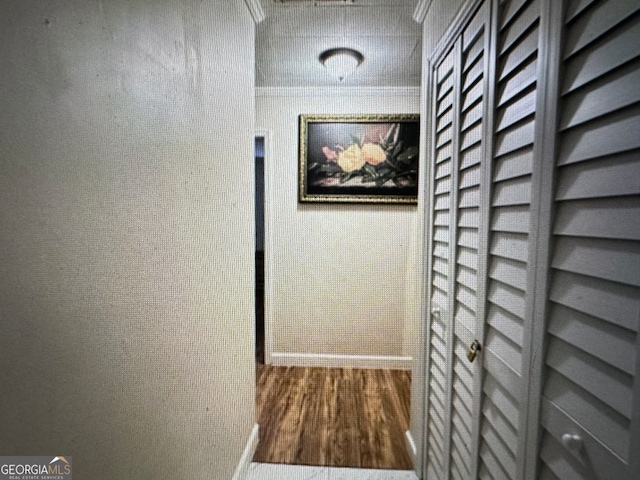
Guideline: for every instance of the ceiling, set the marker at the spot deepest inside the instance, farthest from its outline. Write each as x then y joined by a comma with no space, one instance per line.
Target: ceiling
294,32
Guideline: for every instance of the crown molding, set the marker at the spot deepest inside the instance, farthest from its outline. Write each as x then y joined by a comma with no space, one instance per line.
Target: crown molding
420,12
341,91
256,10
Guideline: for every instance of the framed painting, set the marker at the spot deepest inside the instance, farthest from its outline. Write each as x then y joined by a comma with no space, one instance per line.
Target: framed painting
359,158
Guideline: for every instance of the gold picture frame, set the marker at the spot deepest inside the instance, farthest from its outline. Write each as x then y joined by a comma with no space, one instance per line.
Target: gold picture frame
359,158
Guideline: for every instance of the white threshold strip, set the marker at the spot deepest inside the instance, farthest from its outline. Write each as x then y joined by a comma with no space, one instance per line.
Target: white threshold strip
270,471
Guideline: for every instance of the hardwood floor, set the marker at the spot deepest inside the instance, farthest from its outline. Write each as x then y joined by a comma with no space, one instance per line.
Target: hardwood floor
339,417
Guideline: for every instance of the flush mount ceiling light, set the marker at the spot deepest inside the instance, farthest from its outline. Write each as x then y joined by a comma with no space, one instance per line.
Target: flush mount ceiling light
341,62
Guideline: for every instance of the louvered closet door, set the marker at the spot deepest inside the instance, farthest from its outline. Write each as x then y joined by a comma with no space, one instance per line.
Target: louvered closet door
590,404
509,288
444,78
468,286
458,112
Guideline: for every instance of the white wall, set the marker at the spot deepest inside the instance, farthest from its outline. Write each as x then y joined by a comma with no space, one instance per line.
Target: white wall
337,283
438,18
126,238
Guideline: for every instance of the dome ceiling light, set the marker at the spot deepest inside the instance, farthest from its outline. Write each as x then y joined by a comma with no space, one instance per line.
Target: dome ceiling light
341,62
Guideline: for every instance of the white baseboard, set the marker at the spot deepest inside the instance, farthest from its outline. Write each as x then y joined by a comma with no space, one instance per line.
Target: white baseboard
247,456
411,447
337,361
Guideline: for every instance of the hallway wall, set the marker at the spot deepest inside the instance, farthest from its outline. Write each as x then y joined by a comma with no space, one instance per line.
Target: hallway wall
337,284
126,238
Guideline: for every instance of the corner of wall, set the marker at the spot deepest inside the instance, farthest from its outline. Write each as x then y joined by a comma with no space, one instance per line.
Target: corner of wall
244,465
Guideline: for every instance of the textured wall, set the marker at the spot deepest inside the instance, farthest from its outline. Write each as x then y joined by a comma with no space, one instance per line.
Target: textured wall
338,272
437,20
126,237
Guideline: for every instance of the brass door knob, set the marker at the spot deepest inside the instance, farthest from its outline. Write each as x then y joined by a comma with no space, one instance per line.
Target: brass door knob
472,353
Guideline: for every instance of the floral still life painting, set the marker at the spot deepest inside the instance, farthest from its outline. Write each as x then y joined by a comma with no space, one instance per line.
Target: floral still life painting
359,158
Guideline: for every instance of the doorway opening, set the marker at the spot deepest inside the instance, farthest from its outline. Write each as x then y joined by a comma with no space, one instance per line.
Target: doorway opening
318,416
259,154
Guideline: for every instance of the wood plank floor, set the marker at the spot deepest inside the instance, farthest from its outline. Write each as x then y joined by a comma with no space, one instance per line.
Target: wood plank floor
338,417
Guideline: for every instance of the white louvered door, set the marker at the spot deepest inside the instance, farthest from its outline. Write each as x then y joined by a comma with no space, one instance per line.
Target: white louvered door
438,400
590,403
467,285
511,255
457,149
535,243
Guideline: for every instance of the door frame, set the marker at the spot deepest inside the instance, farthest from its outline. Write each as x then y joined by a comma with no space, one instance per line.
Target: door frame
268,250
